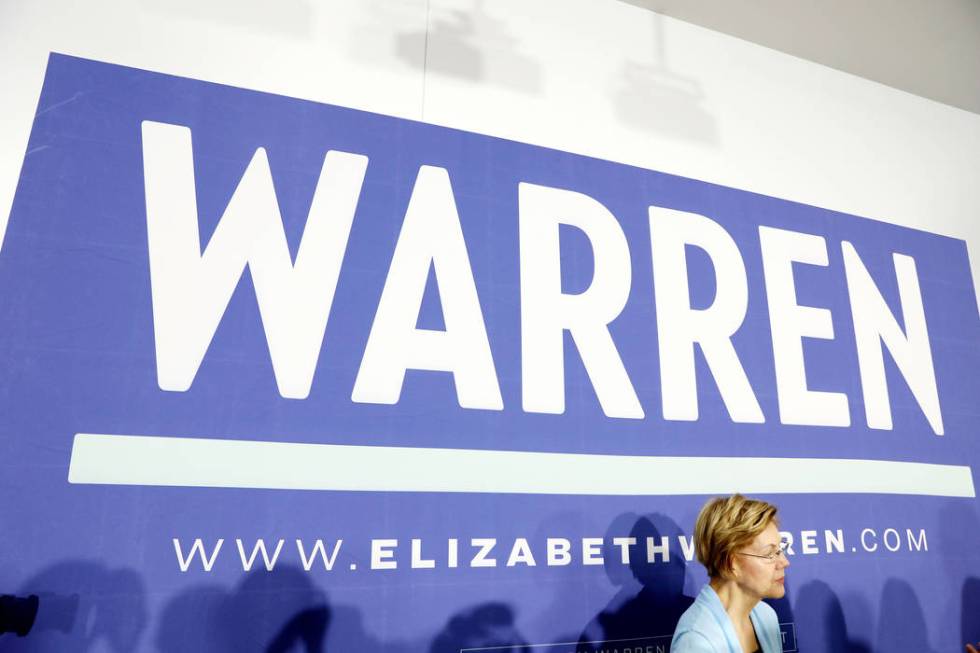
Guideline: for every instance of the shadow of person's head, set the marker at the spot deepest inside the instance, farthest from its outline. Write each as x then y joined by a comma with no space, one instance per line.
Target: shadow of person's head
267,611
901,623
661,564
488,625
821,621
644,561
85,604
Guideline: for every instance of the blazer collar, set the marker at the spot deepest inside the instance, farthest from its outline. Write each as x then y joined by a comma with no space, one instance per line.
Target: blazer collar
710,598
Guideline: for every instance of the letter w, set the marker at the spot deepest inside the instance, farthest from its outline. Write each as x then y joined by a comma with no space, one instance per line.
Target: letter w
196,549
270,563
191,285
318,550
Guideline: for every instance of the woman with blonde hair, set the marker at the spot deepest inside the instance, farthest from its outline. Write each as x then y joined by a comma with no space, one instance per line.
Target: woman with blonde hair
737,540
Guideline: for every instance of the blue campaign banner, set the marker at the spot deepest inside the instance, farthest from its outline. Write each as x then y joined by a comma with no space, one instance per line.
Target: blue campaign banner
279,375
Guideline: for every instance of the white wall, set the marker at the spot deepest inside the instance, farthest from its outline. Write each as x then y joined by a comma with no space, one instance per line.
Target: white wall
596,77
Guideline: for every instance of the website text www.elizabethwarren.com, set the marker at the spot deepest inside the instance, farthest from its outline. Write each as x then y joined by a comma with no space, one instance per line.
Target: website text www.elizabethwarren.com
315,554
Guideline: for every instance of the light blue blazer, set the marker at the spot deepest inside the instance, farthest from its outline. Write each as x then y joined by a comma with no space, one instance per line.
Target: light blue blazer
705,628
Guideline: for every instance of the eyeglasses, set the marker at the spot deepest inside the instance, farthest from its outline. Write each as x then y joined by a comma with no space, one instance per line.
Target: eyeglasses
772,555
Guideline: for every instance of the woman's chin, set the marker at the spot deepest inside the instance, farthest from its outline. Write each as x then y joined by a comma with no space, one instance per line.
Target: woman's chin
777,591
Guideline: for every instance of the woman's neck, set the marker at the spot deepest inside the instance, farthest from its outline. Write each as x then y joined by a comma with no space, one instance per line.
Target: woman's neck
736,602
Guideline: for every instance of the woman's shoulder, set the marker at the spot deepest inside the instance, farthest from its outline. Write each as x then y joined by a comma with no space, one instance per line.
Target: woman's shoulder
697,630
691,641
695,614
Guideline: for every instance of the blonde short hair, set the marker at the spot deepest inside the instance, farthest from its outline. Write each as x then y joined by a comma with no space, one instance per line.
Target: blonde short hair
727,524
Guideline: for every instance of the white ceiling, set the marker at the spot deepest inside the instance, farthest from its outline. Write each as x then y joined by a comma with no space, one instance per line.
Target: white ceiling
926,47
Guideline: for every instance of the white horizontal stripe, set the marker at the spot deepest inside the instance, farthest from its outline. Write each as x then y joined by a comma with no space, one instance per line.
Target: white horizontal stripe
200,462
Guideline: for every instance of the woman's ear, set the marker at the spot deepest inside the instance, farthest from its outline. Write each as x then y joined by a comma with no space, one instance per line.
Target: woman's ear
733,568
